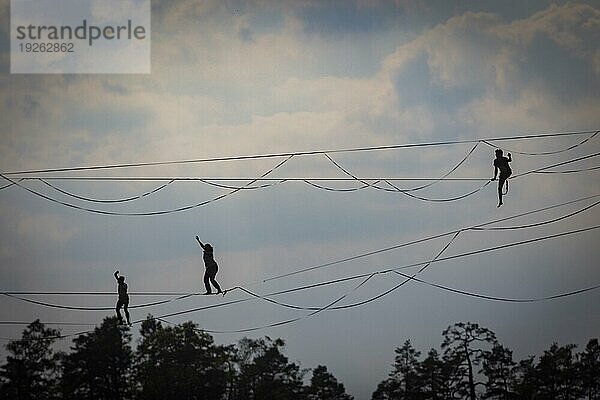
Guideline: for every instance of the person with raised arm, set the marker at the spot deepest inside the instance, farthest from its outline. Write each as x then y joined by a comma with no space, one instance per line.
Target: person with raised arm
211,267
123,298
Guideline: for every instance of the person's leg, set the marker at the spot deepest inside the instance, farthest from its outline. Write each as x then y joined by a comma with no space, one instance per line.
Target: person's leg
127,312
118,310
206,282
215,284
500,186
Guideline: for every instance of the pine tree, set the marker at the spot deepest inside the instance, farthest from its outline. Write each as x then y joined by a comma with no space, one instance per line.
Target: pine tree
463,347
32,367
99,365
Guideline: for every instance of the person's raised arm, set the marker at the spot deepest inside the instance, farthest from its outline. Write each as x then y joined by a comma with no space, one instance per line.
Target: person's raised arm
116,274
199,242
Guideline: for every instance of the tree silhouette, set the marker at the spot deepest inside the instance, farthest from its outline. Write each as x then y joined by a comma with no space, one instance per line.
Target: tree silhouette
526,379
590,370
99,366
324,386
557,374
179,363
435,377
384,391
265,373
32,368
403,381
461,346
498,367
183,362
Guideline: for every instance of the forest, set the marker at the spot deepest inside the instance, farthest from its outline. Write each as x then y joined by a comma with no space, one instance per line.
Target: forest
171,361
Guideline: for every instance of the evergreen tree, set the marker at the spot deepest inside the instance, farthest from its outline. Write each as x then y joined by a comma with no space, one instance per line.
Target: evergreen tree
590,370
405,376
265,373
384,391
557,374
324,386
526,379
462,347
179,363
498,367
433,377
32,368
99,366
403,382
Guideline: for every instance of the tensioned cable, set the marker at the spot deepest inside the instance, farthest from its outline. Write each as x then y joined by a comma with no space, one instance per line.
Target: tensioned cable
81,308
446,174
374,184
364,182
545,153
330,189
364,301
248,330
570,171
424,239
46,323
441,259
408,278
396,189
30,293
297,153
496,298
448,199
16,295
289,321
442,287
205,181
149,213
362,255
418,264
94,200
10,184
424,265
536,224
230,179
276,181
263,186
537,170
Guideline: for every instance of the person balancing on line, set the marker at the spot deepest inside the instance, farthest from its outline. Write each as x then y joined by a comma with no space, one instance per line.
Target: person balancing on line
211,267
501,163
123,299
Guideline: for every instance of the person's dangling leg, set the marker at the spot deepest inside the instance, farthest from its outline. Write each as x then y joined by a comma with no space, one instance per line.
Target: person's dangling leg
500,186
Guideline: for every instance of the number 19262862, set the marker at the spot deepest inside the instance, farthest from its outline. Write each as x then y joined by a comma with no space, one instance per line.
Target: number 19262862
46,47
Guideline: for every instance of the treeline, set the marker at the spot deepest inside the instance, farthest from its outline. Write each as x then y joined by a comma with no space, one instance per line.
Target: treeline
472,364
177,362
182,362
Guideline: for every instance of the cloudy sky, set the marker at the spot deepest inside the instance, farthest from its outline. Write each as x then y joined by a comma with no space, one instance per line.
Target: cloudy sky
236,78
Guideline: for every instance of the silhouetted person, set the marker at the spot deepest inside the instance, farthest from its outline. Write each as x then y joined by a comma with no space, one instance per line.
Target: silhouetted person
211,267
501,164
123,298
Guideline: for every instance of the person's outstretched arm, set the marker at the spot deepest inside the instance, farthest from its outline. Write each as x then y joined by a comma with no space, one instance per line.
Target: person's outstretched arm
199,242
117,275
